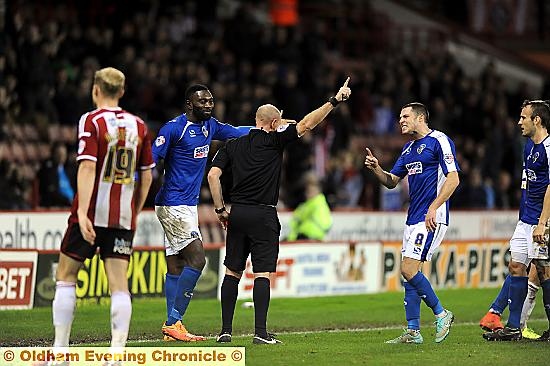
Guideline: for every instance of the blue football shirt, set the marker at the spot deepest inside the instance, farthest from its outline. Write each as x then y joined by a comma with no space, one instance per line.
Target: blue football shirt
535,180
184,146
427,162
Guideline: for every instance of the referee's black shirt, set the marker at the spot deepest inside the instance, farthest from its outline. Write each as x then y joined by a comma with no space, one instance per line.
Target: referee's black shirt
256,160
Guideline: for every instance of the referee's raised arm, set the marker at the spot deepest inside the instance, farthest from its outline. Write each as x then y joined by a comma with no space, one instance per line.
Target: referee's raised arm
315,117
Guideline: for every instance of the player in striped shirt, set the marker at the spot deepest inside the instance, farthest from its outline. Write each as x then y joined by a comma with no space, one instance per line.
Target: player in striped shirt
429,161
114,176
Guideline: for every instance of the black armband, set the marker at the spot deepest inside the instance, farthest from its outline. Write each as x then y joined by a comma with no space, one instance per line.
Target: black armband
334,101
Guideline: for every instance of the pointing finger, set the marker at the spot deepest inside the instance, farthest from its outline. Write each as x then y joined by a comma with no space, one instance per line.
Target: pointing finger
369,153
346,83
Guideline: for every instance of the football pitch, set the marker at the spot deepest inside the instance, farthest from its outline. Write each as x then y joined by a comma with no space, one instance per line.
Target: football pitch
339,330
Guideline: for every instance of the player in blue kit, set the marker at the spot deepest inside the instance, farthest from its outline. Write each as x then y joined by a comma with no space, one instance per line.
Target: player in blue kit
430,164
528,243
183,143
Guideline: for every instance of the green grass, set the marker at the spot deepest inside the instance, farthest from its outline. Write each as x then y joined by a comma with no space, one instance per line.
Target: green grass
348,330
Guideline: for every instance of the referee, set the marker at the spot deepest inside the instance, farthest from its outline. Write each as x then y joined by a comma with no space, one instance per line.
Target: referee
253,225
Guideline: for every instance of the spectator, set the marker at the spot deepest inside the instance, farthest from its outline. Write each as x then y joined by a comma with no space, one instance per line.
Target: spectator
56,179
311,219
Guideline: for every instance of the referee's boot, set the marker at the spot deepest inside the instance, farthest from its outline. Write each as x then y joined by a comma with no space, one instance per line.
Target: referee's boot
269,339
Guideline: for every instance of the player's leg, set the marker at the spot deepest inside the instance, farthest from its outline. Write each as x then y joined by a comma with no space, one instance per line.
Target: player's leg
529,304
519,244
491,320
411,300
263,229
543,270
420,247
115,249
195,258
180,224
74,250
237,249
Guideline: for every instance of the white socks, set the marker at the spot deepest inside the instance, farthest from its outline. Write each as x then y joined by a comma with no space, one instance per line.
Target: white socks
63,306
121,313
529,304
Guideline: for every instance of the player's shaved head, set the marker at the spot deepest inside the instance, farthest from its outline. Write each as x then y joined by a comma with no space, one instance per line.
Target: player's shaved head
268,112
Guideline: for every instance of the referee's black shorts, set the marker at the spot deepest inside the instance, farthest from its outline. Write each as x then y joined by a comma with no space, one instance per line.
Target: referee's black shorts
254,230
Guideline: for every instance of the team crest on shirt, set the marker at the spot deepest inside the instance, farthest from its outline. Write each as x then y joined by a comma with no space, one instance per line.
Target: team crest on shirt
204,131
449,158
160,141
535,156
421,148
414,168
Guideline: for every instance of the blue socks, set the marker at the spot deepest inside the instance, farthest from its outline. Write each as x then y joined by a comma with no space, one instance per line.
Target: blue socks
426,292
412,306
170,290
518,293
186,283
501,301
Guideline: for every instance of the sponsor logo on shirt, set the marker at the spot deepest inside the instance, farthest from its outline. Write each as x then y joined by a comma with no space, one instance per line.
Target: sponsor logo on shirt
531,175
449,158
160,141
201,152
414,168
122,246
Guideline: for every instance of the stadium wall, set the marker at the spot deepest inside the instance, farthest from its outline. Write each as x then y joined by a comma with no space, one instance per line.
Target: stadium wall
361,256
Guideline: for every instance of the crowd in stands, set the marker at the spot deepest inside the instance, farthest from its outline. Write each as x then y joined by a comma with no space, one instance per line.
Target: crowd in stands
52,50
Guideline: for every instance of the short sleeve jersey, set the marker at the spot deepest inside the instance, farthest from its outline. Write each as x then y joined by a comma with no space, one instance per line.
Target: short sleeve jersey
535,180
426,162
255,161
119,143
184,146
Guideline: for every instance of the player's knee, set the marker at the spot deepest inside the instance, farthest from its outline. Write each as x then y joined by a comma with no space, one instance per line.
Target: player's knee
517,268
197,262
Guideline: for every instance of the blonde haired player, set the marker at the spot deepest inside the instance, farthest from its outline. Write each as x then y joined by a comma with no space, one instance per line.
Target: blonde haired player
113,149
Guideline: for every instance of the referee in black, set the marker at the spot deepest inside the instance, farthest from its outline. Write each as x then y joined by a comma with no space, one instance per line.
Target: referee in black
253,225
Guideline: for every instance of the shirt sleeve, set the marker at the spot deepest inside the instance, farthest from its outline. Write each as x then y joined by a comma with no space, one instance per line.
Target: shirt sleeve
146,157
399,169
225,131
87,139
221,159
285,134
447,155
163,141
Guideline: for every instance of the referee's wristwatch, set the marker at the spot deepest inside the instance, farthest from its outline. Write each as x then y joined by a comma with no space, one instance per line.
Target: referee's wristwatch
219,210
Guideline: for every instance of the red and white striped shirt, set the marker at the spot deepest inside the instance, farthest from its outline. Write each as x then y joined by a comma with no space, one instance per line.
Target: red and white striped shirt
119,143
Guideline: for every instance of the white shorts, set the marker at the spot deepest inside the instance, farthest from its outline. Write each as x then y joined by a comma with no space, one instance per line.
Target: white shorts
181,226
419,243
522,247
